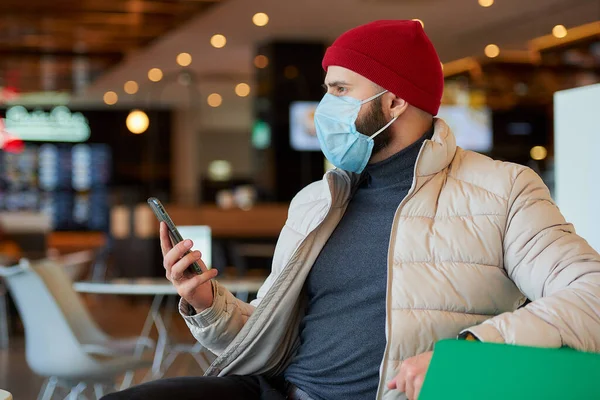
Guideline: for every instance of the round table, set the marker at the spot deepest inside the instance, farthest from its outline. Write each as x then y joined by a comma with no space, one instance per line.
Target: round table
158,288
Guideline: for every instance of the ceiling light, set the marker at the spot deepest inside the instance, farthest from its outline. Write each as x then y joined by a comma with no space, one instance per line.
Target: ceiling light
110,98
492,50
137,122
131,87
538,153
242,89
184,59
218,41
214,100
559,31
486,3
261,61
155,74
420,21
260,19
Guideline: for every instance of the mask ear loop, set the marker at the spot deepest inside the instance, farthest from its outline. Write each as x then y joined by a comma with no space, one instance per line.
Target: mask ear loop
384,127
373,97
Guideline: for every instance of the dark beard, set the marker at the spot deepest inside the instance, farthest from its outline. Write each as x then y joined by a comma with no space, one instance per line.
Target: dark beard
373,121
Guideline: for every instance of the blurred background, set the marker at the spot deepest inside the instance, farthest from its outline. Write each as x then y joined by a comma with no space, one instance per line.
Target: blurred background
208,105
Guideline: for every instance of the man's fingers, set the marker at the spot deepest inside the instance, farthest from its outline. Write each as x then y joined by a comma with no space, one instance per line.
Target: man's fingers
418,385
165,241
176,253
411,375
178,270
187,288
392,384
201,264
410,389
401,380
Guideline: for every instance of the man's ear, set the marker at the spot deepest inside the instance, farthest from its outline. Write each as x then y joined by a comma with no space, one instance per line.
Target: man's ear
398,106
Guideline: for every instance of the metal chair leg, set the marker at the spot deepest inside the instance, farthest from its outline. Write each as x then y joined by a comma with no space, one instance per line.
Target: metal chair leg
201,360
171,306
48,390
169,361
98,390
128,381
76,391
43,389
163,337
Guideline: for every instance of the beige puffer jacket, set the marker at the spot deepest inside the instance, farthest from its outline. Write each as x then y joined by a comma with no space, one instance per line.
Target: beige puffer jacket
470,242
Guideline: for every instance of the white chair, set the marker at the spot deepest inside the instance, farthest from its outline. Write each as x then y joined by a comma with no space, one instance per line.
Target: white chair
84,327
29,230
4,395
4,318
51,346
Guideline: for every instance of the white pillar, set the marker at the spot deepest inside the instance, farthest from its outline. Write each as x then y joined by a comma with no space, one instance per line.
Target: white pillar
577,165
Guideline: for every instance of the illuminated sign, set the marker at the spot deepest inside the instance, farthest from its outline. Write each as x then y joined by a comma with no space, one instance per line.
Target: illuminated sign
261,135
58,125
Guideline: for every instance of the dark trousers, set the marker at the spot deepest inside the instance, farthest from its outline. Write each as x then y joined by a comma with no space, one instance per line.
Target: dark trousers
206,388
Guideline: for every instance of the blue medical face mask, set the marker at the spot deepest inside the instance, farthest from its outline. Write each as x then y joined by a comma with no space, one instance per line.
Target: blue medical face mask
342,144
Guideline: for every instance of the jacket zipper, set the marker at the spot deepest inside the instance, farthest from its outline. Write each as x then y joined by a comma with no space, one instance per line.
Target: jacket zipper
210,371
390,266
270,293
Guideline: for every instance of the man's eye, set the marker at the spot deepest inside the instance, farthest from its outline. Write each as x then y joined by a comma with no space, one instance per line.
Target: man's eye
341,90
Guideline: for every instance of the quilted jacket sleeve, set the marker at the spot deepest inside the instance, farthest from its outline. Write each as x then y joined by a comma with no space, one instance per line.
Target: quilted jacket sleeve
553,267
216,326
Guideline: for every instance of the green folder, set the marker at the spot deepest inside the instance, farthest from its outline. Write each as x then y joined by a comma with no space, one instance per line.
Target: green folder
466,370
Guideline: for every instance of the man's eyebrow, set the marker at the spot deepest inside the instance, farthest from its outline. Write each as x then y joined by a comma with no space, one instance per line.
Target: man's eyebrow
335,84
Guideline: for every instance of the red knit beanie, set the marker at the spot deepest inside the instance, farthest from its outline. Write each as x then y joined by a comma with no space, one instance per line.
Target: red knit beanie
396,55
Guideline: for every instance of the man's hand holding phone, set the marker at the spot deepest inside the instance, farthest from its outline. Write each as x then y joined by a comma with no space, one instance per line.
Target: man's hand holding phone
195,289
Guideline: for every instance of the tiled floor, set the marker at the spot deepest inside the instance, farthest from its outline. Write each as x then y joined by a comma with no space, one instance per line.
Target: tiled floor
118,316
15,375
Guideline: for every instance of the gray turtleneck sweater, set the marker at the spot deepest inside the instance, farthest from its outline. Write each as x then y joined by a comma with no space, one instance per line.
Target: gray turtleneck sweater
343,333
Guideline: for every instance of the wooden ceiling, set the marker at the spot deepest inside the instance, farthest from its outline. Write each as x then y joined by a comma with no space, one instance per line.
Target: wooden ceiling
63,45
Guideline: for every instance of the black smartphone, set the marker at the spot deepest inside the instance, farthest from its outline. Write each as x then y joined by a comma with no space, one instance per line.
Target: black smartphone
174,234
